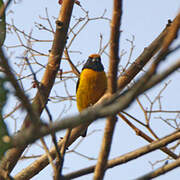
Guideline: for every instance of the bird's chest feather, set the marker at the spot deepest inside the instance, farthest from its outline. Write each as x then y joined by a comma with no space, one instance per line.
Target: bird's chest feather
92,86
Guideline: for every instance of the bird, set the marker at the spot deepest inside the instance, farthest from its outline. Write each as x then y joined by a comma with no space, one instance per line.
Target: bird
91,85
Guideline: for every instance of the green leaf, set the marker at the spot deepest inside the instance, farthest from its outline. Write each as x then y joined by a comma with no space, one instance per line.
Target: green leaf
2,25
4,135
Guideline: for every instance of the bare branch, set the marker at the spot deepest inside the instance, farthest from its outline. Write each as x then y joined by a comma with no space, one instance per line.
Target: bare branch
160,171
18,90
146,137
4,7
172,32
161,76
112,87
4,175
142,60
48,79
129,156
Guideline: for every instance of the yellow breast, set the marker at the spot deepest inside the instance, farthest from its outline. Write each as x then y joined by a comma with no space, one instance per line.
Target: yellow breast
92,85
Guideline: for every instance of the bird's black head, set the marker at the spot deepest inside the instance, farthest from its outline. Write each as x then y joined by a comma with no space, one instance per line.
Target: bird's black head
94,63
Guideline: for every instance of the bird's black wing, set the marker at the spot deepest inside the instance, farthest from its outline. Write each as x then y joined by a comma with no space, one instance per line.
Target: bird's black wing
77,85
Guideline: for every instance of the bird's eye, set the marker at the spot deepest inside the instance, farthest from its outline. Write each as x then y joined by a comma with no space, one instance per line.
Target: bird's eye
96,59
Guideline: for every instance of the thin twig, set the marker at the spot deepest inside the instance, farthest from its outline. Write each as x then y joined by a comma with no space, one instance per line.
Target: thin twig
146,137
160,171
60,163
48,154
73,67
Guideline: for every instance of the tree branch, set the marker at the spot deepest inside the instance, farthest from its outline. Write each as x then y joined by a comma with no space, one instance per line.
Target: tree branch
146,137
160,171
142,60
49,76
112,87
18,90
129,156
161,76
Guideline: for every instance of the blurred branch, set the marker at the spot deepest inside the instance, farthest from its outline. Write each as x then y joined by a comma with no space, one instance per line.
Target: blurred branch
18,90
4,7
129,156
53,135
48,79
112,87
4,175
161,76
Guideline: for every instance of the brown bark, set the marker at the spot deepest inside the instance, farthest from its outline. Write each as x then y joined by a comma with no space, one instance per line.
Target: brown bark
49,76
112,87
129,156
